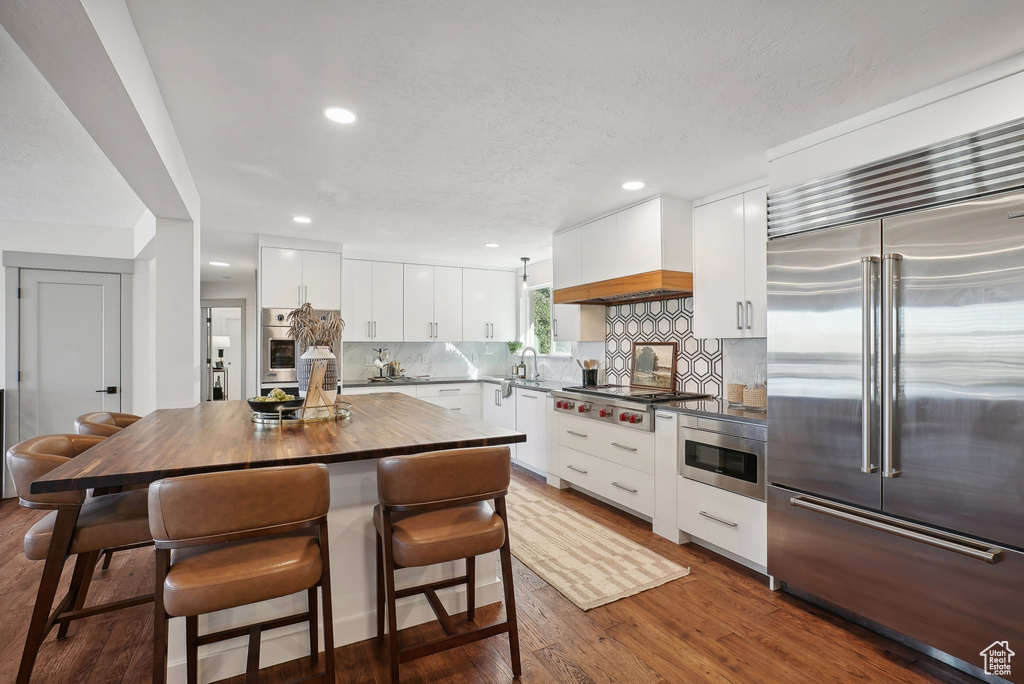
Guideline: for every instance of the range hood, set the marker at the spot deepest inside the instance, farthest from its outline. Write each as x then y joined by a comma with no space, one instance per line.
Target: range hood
642,287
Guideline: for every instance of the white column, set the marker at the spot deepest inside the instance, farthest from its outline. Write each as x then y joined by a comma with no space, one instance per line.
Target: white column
176,300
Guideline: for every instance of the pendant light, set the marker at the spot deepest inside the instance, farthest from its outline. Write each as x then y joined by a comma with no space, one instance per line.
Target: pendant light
526,282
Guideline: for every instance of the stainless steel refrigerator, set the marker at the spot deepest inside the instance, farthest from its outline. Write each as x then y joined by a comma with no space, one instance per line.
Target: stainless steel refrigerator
896,423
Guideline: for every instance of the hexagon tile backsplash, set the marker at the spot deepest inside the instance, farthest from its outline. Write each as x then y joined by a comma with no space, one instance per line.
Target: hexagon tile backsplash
699,361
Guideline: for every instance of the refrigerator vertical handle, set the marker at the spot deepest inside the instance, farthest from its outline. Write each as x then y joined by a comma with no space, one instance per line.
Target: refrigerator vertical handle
867,340
890,372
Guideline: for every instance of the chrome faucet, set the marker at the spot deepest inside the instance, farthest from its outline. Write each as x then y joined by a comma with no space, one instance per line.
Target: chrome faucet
536,372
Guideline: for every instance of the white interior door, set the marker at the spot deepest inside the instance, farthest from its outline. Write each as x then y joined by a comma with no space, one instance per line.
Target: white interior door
69,349
227,321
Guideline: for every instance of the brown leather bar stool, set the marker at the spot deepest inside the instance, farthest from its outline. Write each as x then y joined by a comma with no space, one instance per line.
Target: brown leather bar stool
106,424
78,526
435,508
220,545
103,423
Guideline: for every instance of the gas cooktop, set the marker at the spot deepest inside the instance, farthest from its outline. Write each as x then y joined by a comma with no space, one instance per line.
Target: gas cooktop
638,394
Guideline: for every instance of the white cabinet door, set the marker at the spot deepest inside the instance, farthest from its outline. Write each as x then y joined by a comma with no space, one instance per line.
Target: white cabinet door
281,278
495,409
419,303
388,296
565,322
718,287
600,247
357,299
531,418
321,279
755,258
638,247
666,472
447,304
476,305
502,294
567,258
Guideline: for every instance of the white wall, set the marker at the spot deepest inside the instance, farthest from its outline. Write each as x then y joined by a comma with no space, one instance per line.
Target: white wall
143,338
232,289
52,238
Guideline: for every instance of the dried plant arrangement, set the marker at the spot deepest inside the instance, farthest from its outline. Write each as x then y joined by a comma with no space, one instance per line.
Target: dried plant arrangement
309,330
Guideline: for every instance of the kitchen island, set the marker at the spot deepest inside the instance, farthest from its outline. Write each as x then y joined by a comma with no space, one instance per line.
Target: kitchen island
218,436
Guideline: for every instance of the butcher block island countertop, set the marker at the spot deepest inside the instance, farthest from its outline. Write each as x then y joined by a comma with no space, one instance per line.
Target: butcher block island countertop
220,436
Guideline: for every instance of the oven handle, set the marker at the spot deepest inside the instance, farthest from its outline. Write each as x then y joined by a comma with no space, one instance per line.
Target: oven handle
899,528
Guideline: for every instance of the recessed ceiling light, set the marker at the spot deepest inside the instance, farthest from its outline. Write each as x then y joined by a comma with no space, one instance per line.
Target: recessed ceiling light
340,115
633,185
302,219
219,263
491,244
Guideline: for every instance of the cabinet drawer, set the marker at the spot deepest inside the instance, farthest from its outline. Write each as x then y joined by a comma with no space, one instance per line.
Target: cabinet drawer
452,390
467,405
580,469
736,523
631,448
631,488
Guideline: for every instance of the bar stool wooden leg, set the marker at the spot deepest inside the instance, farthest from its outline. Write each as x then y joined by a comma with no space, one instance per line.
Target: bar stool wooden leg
80,579
313,618
192,649
163,557
380,588
510,594
389,584
471,588
39,625
107,555
328,611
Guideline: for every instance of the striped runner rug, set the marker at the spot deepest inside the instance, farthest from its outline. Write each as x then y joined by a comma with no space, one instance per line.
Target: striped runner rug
586,562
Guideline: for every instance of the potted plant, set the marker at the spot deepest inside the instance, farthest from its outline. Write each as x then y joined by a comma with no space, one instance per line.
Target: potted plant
316,336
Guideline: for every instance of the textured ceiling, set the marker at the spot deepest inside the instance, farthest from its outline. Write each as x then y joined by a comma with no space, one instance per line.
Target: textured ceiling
51,170
504,121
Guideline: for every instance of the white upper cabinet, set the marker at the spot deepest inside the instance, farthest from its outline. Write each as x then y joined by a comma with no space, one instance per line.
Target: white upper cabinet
281,278
387,300
729,274
567,258
357,300
321,279
419,303
433,303
290,277
372,301
597,240
651,236
488,305
578,323
447,304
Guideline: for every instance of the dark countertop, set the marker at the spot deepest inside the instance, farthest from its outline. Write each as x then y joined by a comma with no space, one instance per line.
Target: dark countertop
715,408
541,386
220,435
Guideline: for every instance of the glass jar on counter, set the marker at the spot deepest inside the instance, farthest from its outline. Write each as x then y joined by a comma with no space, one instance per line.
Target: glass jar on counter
734,388
755,394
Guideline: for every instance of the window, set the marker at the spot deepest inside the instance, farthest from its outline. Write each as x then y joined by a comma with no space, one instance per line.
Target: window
538,333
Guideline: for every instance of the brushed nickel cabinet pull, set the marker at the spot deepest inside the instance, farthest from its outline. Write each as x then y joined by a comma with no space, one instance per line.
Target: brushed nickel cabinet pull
623,447
575,434
624,488
724,522
578,470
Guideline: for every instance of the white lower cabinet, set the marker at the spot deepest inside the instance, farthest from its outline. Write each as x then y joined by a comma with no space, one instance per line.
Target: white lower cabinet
498,410
532,419
461,397
735,523
612,462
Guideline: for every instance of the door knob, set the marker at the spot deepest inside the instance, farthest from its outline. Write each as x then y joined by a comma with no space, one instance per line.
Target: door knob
109,390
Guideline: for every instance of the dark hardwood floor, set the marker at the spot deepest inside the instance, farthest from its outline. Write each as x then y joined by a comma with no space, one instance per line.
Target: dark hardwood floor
721,623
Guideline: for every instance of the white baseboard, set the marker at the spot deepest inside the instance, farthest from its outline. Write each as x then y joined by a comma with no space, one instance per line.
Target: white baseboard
227,658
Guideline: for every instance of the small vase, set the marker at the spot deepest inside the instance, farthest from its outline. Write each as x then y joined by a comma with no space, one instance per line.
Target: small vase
305,364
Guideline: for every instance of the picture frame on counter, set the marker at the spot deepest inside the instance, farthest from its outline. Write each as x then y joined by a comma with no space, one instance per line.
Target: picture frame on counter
653,366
